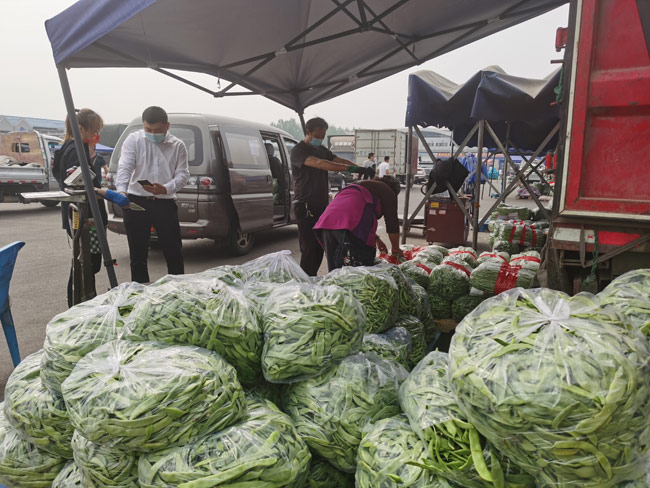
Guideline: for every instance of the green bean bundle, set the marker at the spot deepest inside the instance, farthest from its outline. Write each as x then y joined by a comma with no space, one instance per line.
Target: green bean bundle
464,254
510,212
464,305
385,454
499,257
277,267
23,465
71,335
123,296
430,256
308,329
630,293
375,289
230,275
332,410
522,234
409,303
394,345
426,317
440,307
557,384
323,475
39,417
104,467
528,260
492,278
416,272
211,315
499,245
263,451
68,477
147,396
449,280
418,338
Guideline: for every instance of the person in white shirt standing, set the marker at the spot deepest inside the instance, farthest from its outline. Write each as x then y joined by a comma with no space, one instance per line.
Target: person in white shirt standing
153,167
384,168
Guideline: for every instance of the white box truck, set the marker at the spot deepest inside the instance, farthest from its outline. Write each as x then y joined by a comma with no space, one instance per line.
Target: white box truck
386,142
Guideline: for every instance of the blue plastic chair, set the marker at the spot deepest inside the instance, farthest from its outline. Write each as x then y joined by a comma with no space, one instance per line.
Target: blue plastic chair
8,256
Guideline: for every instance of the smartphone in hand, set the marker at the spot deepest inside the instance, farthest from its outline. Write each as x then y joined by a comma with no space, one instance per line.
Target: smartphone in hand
145,182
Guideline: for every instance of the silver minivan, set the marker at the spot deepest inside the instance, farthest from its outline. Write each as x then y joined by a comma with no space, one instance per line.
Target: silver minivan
240,179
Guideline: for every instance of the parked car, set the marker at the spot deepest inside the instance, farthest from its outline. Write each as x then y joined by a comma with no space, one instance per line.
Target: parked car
232,193
340,180
422,174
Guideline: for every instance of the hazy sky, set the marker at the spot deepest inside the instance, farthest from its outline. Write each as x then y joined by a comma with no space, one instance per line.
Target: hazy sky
29,85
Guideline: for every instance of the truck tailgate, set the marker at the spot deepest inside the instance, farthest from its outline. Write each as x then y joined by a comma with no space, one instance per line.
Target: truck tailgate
22,175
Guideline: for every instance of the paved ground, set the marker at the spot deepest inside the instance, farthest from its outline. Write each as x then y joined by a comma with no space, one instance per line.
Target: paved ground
38,287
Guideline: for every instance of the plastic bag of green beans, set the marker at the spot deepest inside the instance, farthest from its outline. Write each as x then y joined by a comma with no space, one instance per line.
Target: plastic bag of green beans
277,267
323,475
440,307
630,294
39,417
375,289
332,410
394,344
208,314
426,317
104,467
409,304
417,272
147,396
309,329
430,257
558,384
464,254
23,465
497,256
464,305
449,280
124,296
68,477
492,278
230,275
263,450
418,338
528,260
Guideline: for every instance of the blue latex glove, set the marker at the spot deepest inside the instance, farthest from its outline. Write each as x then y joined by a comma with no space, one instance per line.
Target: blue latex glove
117,198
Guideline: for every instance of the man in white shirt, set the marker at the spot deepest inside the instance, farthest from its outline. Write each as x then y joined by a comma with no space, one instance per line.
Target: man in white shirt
384,168
153,167
370,166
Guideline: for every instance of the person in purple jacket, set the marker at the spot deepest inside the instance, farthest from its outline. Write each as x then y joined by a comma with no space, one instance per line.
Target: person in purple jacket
347,230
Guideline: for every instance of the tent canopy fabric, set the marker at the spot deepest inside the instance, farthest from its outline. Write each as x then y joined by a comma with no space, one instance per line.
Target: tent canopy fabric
295,52
491,95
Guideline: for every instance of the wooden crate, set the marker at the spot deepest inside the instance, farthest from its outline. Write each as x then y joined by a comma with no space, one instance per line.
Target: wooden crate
445,325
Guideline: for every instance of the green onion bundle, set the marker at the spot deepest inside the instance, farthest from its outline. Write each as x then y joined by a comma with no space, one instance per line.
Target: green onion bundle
39,417
418,337
147,396
211,315
277,267
630,293
462,306
415,272
332,410
394,345
104,467
492,278
557,384
375,289
385,454
22,464
68,477
426,316
308,329
449,280
263,451
323,475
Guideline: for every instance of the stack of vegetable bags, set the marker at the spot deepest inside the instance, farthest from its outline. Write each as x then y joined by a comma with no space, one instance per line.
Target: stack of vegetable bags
492,278
557,384
630,294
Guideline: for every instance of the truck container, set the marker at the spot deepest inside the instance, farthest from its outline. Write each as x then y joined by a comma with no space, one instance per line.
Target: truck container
386,142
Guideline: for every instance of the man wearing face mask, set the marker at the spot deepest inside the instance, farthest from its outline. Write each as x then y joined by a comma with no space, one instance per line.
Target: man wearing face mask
310,162
152,168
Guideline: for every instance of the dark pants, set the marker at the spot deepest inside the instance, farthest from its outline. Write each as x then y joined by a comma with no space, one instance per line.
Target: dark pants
97,265
344,249
311,252
162,215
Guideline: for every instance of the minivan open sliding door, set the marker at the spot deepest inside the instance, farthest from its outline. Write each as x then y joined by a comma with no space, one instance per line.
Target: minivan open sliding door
251,187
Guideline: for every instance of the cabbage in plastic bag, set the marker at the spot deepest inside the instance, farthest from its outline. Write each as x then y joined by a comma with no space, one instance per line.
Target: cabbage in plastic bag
332,410
147,396
23,465
557,384
277,267
104,467
68,477
394,345
39,417
309,329
263,450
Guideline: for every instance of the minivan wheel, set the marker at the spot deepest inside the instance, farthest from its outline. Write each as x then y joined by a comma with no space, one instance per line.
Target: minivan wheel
241,244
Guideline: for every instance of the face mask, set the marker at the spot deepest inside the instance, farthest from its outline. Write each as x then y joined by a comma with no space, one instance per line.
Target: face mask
155,138
92,139
316,142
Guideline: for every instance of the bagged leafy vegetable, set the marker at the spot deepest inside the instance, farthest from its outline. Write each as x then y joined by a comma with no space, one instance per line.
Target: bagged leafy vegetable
263,450
449,280
71,335
418,337
455,449
492,278
146,396
499,257
23,465
385,453
375,289
528,260
323,475
39,417
466,254
630,293
419,273
209,314
104,467
332,410
425,313
557,384
394,344
464,305
308,329
277,267
68,477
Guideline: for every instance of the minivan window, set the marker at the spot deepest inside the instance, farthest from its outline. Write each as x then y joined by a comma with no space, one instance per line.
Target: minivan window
189,134
246,151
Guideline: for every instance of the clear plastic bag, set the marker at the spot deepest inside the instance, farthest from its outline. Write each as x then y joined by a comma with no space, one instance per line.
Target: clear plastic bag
147,396
394,345
124,296
385,453
375,289
277,267
492,278
309,329
332,410
207,314
527,260
23,465
104,467
449,280
558,384
409,304
630,294
496,256
417,272
39,417
230,275
71,335
262,450
465,254
323,475
68,477
418,338
462,306
431,256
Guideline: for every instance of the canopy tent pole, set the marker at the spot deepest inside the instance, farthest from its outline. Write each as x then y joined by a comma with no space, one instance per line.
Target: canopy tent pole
477,188
301,115
88,181
409,171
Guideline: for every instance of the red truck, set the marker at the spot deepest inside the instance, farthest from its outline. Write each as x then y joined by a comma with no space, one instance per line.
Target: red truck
601,212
